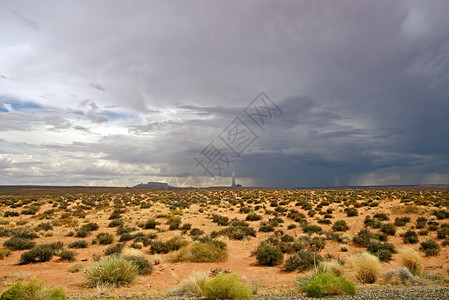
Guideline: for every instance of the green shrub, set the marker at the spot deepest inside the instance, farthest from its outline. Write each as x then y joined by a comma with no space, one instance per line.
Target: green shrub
4,252
292,263
410,237
144,267
201,253
111,270
253,217
388,229
105,238
116,223
269,255
66,255
328,284
352,212
32,291
400,222
430,247
40,253
151,224
226,286
340,225
16,243
384,251
79,244
115,249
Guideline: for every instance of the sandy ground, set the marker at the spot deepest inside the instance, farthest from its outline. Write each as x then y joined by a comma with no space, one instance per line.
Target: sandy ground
167,275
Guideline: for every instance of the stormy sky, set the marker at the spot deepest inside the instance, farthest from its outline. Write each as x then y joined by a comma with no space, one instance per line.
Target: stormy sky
121,92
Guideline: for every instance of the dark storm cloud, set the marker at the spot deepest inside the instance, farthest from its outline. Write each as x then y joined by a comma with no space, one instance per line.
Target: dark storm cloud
363,86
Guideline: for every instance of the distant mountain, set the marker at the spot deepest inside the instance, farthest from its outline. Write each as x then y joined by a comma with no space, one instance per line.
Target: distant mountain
154,185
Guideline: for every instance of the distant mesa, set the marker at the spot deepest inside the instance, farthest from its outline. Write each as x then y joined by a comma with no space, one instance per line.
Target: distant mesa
154,185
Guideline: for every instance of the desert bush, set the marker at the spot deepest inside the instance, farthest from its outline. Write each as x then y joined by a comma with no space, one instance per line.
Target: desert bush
443,233
78,244
151,224
45,226
105,238
331,266
115,249
66,255
430,248
388,229
292,263
400,222
40,253
410,237
111,270
352,212
201,253
194,285
16,243
173,244
302,260
340,225
76,268
410,259
220,220
226,286
11,214
33,290
328,284
174,223
144,267
196,232
269,255
366,267
421,223
4,253
253,217
381,217
116,223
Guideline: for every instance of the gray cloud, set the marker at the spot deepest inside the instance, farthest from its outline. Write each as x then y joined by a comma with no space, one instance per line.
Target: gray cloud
363,86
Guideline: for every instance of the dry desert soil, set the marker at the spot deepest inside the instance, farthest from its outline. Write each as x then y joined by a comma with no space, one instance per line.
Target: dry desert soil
57,215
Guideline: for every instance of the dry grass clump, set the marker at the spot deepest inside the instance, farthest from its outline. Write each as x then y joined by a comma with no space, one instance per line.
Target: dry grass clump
127,251
366,267
194,284
410,259
201,253
331,266
112,270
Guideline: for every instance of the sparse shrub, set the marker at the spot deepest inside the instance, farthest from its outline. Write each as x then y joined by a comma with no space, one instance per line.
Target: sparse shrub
76,268
40,253
174,223
366,267
421,222
352,212
311,228
111,270
32,291
144,267
269,255
194,285
406,276
292,263
151,224
220,220
46,226
4,253
17,243
226,286
196,232
410,237
443,233
78,244
331,266
328,284
400,222
381,217
115,249
201,253
430,247
66,255
253,217
410,259
116,223
105,238
388,229
340,225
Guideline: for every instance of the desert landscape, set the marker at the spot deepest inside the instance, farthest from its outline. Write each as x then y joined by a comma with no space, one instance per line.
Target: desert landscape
268,237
